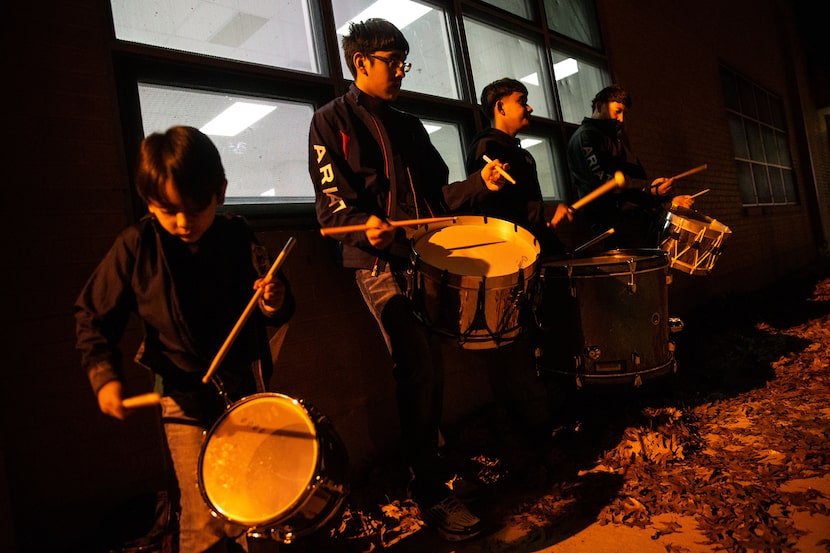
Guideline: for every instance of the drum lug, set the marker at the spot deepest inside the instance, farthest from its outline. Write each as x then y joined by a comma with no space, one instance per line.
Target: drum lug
636,359
675,325
638,381
669,279
593,352
632,283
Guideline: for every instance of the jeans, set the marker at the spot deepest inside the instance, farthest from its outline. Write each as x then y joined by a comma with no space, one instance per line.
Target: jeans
199,530
418,373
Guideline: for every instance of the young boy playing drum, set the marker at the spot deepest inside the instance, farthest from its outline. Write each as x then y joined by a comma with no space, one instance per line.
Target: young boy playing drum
188,273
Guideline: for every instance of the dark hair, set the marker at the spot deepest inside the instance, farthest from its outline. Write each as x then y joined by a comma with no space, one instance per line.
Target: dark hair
372,35
184,155
613,93
497,90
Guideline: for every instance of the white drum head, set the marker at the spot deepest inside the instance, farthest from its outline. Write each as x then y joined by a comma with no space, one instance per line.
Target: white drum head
478,247
259,459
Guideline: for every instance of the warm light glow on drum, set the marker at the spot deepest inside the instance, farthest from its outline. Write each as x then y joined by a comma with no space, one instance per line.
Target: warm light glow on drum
259,460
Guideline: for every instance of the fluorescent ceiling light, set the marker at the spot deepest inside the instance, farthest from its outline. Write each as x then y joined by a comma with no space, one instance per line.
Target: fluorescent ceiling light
528,143
399,12
270,192
432,128
533,79
236,119
565,68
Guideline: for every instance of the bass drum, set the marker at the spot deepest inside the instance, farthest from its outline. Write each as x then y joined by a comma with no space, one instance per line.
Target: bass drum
275,466
604,319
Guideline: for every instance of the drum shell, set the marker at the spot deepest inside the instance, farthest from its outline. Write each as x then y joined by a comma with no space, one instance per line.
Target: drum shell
478,309
693,241
271,462
604,319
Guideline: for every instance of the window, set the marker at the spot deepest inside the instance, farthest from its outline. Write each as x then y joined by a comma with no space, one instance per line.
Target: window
760,142
548,161
277,34
495,53
425,28
446,138
577,83
517,7
264,148
185,63
576,19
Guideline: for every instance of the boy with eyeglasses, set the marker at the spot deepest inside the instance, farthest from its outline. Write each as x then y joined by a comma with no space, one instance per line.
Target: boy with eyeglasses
371,164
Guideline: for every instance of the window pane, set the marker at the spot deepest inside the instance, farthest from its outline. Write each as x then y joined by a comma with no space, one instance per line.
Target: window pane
446,138
425,28
745,184
783,149
577,83
266,161
747,95
759,175
495,54
736,129
763,106
277,34
770,145
516,7
547,160
753,138
776,184
574,18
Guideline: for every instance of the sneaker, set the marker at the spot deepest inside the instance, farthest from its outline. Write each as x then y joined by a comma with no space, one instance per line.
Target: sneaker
452,519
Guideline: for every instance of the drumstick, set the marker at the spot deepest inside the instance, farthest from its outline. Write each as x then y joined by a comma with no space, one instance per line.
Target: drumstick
691,171
618,180
142,400
364,227
701,193
501,171
247,313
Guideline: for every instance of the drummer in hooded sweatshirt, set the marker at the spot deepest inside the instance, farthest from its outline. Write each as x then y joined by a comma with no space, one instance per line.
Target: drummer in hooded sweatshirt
596,151
505,103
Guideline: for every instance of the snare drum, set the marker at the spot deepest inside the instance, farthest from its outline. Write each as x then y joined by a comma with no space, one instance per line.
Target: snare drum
471,276
272,463
604,319
693,240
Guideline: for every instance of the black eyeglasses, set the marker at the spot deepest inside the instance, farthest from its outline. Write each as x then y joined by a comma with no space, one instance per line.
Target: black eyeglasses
394,64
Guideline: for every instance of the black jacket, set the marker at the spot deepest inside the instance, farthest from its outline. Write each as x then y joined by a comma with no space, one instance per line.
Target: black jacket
368,158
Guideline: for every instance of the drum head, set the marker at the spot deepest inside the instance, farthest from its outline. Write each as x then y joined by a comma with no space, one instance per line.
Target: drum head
258,460
477,247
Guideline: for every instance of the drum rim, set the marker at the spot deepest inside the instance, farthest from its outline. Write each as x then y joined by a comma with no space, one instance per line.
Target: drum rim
298,499
647,259
495,281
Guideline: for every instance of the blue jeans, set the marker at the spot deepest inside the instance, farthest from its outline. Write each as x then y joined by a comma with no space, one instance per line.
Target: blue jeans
417,369
199,530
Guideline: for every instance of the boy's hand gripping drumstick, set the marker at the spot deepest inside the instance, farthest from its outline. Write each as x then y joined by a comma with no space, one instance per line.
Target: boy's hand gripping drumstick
501,171
247,313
